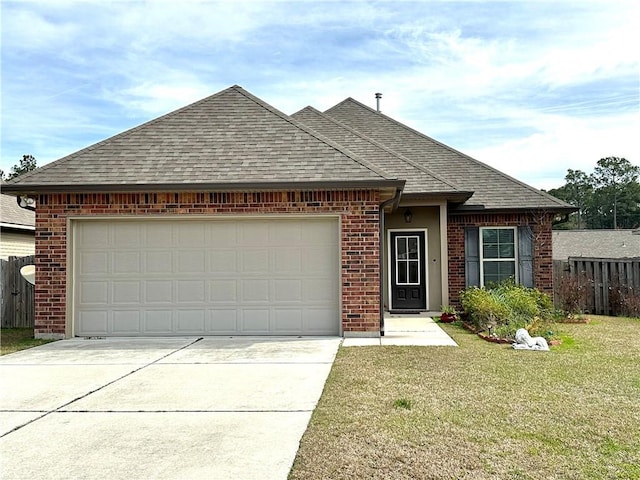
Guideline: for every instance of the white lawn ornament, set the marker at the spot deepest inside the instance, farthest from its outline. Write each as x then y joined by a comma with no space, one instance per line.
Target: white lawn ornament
28,272
524,341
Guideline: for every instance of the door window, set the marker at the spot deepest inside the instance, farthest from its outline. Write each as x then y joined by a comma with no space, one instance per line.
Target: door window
407,260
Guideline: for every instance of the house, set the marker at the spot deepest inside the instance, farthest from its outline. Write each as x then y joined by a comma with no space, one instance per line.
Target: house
17,229
596,244
229,217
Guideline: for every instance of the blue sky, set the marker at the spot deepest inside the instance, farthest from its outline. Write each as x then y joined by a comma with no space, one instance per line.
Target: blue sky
529,87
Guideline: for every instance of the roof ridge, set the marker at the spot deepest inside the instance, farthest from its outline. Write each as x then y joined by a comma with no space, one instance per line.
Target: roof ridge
385,148
478,162
316,135
127,132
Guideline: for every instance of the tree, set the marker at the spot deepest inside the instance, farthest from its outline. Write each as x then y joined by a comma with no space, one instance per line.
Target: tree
607,198
612,177
26,164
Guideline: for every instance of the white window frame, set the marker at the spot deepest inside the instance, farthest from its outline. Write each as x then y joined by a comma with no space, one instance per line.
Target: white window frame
515,252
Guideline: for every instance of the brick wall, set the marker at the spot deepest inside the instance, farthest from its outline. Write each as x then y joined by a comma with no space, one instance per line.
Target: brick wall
358,210
542,264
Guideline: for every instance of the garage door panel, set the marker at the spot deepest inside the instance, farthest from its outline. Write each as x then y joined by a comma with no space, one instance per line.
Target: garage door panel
255,321
319,321
223,261
94,262
159,291
288,290
94,293
192,234
288,320
253,233
94,322
126,235
190,261
288,261
158,234
127,322
126,292
190,291
96,237
160,261
158,322
319,290
191,321
127,262
254,261
255,290
215,276
223,321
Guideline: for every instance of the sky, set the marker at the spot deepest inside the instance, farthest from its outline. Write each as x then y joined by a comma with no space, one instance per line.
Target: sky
532,88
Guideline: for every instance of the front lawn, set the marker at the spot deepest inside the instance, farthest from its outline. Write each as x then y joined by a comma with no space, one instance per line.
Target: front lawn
14,339
482,410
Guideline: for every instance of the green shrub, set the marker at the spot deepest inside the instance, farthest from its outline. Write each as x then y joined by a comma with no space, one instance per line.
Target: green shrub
506,307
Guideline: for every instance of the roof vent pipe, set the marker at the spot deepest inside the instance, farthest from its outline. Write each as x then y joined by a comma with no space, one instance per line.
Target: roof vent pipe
378,97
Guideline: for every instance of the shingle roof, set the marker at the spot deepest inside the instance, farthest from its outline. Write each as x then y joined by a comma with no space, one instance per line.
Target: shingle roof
12,216
596,244
231,137
493,189
420,180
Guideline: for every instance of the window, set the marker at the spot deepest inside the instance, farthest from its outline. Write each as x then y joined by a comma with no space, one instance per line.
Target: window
408,260
498,254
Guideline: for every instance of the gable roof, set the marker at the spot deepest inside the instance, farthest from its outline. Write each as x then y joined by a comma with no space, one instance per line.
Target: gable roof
14,217
230,140
492,189
420,180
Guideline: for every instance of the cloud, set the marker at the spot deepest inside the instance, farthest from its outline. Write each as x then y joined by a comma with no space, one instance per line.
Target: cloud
550,83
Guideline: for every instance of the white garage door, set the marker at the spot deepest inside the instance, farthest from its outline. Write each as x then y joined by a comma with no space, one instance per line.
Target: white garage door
269,276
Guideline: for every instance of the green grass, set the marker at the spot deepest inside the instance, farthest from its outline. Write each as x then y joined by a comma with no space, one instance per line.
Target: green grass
15,339
482,410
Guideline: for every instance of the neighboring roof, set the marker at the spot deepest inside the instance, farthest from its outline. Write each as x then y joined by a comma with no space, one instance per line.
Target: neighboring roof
492,188
420,180
230,139
596,244
12,216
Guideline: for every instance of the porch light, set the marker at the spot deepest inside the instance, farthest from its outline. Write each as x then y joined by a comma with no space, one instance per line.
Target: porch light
28,203
408,216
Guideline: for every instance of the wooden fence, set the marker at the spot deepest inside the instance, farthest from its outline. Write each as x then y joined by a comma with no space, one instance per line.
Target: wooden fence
606,286
17,295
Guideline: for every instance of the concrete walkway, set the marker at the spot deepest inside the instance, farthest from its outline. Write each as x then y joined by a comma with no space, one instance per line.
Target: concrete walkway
165,408
406,330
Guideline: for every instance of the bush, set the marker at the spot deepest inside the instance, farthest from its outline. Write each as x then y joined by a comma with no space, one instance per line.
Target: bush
572,293
504,308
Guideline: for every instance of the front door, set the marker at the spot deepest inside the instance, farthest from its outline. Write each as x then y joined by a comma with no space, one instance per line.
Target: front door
408,279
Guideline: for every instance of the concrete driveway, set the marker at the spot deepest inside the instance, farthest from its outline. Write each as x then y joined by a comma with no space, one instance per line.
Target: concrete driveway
166,408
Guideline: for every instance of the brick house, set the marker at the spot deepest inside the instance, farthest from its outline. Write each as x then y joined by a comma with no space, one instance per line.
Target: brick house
229,217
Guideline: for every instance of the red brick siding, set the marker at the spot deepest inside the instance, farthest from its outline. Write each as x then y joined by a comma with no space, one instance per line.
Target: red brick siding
542,264
358,210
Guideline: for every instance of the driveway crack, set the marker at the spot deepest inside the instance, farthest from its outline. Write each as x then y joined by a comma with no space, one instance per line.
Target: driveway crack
61,407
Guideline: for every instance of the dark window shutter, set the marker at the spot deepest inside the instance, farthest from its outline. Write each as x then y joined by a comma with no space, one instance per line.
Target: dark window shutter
525,256
472,256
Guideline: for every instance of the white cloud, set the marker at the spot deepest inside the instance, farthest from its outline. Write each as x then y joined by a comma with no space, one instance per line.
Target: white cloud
498,80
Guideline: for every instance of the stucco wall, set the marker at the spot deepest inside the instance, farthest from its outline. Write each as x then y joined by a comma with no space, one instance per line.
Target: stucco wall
422,217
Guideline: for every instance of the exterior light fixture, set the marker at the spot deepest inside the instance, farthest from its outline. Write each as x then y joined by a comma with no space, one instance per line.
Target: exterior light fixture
408,216
28,203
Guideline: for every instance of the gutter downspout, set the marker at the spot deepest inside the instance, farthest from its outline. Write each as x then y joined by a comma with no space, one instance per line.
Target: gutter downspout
383,205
